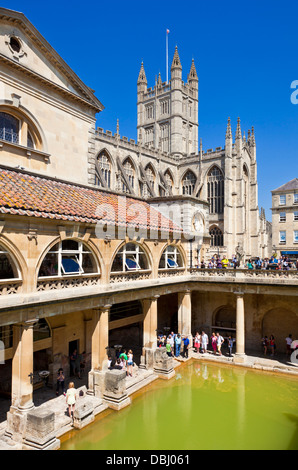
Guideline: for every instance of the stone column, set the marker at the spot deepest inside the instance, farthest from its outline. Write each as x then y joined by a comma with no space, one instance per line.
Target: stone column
150,322
100,337
21,382
184,315
240,327
22,367
99,342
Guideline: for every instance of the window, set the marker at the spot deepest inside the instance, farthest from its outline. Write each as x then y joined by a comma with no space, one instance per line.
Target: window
282,236
295,216
130,173
15,44
130,257
282,200
295,236
216,237
282,217
150,175
188,183
215,189
104,167
9,128
149,112
68,257
296,198
16,129
8,269
171,258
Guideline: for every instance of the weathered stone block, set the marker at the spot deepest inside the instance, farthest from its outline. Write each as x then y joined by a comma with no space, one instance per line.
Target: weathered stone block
83,414
40,431
115,394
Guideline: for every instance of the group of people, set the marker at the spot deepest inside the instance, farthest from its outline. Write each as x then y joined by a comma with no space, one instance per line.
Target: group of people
269,345
282,263
178,345
175,344
122,361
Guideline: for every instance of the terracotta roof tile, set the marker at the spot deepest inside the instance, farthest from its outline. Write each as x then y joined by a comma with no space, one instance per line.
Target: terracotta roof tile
35,196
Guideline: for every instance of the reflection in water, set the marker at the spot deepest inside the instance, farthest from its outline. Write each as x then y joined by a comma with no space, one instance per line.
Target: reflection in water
220,407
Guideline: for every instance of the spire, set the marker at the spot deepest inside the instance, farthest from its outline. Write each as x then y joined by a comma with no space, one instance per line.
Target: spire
253,140
176,64
238,130
193,73
142,76
159,81
229,130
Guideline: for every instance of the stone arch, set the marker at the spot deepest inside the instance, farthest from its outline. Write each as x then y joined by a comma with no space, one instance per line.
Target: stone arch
224,317
280,322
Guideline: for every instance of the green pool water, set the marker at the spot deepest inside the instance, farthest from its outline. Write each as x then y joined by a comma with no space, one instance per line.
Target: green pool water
203,407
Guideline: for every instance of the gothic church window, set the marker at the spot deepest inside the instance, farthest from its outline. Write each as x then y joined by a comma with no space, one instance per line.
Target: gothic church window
188,183
215,187
216,237
130,173
150,175
104,167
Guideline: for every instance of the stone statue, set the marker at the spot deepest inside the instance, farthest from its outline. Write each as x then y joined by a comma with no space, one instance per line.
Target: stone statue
239,253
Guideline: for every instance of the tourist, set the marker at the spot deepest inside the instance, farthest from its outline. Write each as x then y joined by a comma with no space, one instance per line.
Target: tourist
205,341
197,342
203,265
74,362
225,263
123,356
265,344
288,345
272,345
177,345
82,363
171,340
185,347
60,381
129,362
230,345
214,343
249,264
71,399
169,348
258,263
220,342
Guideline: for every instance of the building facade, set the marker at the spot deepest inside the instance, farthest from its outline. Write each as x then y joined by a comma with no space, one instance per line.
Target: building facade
167,160
285,219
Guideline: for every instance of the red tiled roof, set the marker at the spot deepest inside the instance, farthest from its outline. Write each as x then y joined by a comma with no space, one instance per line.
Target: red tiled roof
37,196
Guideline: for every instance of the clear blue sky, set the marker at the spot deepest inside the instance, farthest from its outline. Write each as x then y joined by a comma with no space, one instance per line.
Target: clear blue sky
245,54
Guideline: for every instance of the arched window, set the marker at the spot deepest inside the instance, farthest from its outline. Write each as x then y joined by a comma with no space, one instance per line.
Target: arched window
150,175
16,128
215,184
216,237
9,128
68,257
104,167
171,258
8,269
131,257
188,183
130,173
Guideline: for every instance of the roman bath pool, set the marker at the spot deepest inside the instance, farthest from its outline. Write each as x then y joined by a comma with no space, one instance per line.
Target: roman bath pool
204,406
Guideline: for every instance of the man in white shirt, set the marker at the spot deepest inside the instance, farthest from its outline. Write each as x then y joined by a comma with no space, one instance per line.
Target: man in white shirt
204,341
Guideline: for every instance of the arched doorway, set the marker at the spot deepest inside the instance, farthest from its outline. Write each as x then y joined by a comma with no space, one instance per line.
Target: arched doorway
280,322
224,321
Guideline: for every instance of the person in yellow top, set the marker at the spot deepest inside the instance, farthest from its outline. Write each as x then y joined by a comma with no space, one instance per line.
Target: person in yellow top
225,263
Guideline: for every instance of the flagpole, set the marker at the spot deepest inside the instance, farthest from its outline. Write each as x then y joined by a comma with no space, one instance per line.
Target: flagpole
167,54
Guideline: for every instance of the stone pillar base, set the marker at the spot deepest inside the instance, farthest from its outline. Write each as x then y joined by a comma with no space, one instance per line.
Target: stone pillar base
115,394
163,364
83,415
96,383
240,358
40,431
